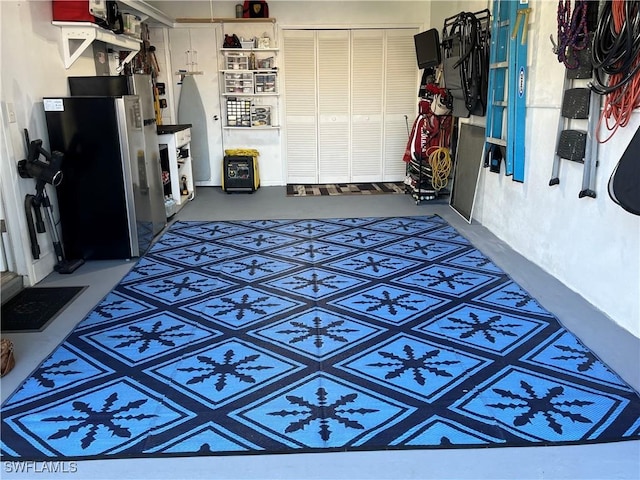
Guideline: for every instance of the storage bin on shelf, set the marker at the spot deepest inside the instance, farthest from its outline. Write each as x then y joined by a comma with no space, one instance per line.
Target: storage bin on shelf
240,82
261,116
247,44
237,61
265,82
238,112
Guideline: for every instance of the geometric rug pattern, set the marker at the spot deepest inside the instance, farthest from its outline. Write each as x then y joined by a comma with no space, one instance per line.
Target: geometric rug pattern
275,336
305,190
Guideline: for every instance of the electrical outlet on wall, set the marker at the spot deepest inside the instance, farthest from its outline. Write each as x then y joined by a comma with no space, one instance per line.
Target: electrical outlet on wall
11,113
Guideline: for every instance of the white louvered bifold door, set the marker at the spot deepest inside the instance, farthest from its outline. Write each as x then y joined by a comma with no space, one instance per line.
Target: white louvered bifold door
349,95
300,106
333,106
367,95
401,98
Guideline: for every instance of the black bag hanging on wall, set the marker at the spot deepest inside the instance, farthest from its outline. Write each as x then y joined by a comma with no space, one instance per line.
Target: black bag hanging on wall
624,183
255,9
115,22
110,17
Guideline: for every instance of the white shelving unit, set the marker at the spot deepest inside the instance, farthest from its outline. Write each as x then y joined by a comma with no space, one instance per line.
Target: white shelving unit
241,85
254,132
178,162
249,90
77,36
146,12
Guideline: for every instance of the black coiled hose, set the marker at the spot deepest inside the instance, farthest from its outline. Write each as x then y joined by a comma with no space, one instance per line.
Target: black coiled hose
614,54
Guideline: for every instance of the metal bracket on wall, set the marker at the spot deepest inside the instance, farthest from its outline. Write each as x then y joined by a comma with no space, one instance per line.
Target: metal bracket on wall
77,36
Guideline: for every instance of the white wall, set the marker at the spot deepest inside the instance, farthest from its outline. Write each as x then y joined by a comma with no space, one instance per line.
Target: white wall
591,245
32,67
309,12
441,9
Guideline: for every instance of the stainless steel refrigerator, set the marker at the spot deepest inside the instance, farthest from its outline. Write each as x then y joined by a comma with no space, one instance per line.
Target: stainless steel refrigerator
110,199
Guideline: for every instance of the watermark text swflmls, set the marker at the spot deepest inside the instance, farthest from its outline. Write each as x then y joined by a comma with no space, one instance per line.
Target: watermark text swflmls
30,466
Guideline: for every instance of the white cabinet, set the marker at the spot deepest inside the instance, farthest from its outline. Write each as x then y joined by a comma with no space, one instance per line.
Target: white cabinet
177,172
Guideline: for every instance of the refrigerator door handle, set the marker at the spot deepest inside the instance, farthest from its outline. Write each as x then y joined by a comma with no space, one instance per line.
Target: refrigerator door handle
131,147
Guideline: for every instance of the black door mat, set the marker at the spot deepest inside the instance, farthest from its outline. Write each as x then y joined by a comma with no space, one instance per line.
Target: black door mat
345,189
34,308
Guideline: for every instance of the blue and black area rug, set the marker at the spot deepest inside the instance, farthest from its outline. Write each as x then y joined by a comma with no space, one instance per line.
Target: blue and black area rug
297,336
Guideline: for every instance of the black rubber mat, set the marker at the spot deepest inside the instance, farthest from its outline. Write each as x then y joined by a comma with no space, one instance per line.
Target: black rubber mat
33,308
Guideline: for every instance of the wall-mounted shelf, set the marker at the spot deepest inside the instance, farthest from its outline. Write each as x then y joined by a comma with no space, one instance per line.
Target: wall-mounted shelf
249,50
269,127
249,95
147,13
77,36
186,74
225,20
241,94
245,70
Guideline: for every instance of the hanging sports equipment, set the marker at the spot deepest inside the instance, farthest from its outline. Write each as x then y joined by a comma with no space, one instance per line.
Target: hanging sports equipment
427,153
506,105
465,47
